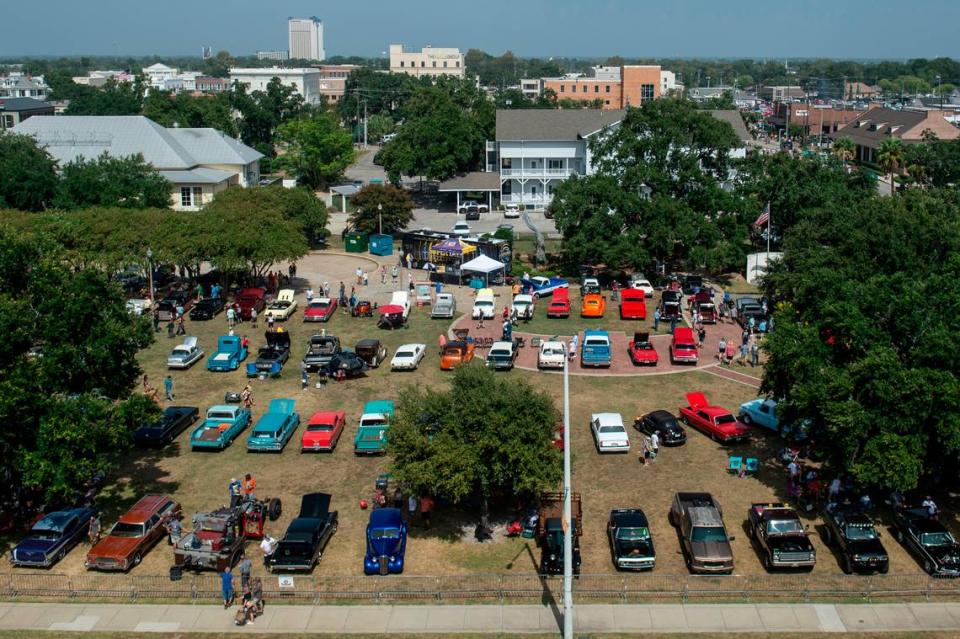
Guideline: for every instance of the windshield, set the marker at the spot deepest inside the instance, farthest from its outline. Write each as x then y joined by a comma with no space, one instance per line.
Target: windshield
220,416
385,533
726,419
553,350
861,533
280,304
316,304
708,534
452,352
595,341
483,303
633,534
499,353
127,530
784,526
936,539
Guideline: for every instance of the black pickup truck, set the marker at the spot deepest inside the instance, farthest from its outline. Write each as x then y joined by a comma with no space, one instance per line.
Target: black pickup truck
853,535
307,536
320,350
781,536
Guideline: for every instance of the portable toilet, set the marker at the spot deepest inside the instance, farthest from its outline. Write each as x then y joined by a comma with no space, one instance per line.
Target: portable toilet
381,244
355,242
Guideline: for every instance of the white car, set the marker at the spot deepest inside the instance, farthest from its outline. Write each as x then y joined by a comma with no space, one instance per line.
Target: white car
185,355
461,229
524,306
511,211
139,306
282,307
642,284
609,434
552,354
408,357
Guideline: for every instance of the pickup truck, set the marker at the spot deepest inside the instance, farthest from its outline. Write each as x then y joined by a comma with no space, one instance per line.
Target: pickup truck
249,299
596,349
781,537
222,425
703,536
683,346
631,545
320,350
307,536
371,437
550,532
502,355
857,542
559,306
271,356
633,304
445,306
230,352
714,421
928,541
540,286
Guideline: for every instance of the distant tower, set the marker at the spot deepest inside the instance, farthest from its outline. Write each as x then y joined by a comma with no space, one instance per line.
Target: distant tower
306,38
206,52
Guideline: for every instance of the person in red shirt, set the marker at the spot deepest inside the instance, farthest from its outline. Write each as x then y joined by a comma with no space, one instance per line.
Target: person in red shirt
249,486
426,505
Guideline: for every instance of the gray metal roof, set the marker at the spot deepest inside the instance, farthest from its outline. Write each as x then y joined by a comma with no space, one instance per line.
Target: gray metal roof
732,117
209,146
23,104
553,124
198,175
476,181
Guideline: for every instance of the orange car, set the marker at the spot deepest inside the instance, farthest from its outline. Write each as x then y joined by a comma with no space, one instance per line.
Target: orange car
456,353
594,305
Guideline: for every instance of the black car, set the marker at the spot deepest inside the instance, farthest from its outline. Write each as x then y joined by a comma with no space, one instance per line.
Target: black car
344,364
691,283
631,545
307,536
206,309
167,309
665,424
320,350
472,212
928,540
853,535
175,420
276,351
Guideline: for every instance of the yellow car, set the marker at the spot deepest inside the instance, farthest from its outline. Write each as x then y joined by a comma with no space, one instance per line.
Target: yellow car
282,307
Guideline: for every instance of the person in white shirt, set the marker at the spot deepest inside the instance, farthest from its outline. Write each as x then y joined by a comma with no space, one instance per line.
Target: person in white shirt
309,294
931,507
268,546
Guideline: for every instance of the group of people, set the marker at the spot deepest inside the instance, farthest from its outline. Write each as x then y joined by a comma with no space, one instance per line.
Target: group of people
242,490
422,505
748,350
151,391
649,448
251,602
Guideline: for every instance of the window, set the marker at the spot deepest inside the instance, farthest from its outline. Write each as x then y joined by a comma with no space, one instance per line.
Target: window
191,196
596,88
607,102
444,64
563,88
458,64
608,88
423,63
401,63
646,92
585,88
434,64
554,164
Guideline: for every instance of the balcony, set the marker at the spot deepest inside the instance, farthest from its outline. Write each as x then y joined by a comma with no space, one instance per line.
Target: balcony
538,172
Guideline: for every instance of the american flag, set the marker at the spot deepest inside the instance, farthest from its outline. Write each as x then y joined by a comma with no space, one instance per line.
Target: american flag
764,217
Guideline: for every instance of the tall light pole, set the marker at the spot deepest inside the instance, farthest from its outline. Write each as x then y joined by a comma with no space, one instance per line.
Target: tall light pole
568,528
380,216
940,91
150,272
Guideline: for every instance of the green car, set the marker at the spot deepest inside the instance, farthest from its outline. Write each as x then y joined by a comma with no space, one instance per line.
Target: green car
371,438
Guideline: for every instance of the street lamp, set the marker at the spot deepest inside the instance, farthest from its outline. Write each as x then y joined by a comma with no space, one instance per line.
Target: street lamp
940,91
567,508
380,216
150,272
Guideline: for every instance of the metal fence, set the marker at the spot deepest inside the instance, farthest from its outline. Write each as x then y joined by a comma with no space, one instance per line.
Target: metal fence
479,588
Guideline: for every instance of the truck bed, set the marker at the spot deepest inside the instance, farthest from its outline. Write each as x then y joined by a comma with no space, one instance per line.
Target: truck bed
210,433
551,505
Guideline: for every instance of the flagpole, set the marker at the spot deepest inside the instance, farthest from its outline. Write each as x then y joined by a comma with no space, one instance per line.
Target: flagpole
768,236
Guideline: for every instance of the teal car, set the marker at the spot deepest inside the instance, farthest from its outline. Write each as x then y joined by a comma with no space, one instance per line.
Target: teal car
371,438
230,352
596,350
275,428
763,412
220,427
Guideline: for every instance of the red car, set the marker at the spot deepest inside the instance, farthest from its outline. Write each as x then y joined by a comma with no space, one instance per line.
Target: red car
633,304
714,421
320,309
323,431
642,352
559,303
249,299
683,346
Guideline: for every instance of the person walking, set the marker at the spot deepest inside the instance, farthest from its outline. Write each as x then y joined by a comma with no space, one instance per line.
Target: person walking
235,489
93,532
394,274
246,396
398,498
174,531
383,274
574,342
411,509
754,354
257,592
359,273
654,445
253,317
721,349
181,329
426,507
245,566
226,587
366,278
231,317
731,352
156,320
168,387
170,329
673,324
744,349
656,319
701,335
733,314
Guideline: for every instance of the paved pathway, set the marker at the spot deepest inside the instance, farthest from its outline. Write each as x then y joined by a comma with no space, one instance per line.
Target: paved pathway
452,619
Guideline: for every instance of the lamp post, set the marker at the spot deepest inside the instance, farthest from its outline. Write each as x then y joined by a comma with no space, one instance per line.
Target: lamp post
567,509
940,91
150,272
380,216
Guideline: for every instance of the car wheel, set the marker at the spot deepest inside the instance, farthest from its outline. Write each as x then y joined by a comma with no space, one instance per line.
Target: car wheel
827,536
898,535
61,554
885,568
928,566
766,563
746,419
137,558
846,566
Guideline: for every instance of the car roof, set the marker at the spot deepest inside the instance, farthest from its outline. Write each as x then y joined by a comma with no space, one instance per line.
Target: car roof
319,300
411,346
190,342
144,509
595,332
662,416
502,345
385,518
325,416
369,341
608,419
929,526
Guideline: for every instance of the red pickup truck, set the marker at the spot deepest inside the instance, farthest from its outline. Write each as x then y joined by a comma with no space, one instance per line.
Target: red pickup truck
633,304
559,303
716,422
251,298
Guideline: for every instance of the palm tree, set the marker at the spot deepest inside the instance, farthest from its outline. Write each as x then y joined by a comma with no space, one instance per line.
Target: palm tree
843,150
890,157
919,173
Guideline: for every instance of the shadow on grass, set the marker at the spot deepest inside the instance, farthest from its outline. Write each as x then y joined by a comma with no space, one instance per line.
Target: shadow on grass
138,476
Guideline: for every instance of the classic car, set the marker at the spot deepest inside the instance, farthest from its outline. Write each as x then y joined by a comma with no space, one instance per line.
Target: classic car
185,355
747,300
408,357
593,305
271,356
714,421
707,312
690,284
307,536
445,306
175,420
523,307
703,535
670,306
559,306
167,308
552,354
386,542
781,537
363,308
134,534
320,350
139,305
230,352
51,538
503,354
215,543
641,283
320,309
633,304
664,424
456,352
323,431
852,534
401,299
641,351
372,351
283,307
220,427
343,365
540,286
251,298
275,427
484,305
371,437
550,528
928,541
511,211
206,309
763,413
609,435
631,545
589,285
683,346
392,316
596,350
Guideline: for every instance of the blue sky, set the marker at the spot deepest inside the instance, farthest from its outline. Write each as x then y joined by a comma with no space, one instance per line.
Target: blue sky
595,28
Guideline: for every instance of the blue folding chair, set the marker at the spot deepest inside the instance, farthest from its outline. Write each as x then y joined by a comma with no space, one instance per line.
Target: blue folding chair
735,465
752,466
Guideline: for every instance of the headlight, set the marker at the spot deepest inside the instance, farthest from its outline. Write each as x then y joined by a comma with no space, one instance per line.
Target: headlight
553,557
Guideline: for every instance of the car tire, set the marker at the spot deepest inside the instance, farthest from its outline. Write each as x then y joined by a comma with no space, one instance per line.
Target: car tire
137,558
766,563
885,568
827,536
746,419
274,508
927,566
846,566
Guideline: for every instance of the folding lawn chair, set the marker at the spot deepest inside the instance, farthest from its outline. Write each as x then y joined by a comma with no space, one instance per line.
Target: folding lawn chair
751,466
735,465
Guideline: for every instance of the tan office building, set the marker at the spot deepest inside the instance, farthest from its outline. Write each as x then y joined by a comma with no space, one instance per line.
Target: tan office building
429,61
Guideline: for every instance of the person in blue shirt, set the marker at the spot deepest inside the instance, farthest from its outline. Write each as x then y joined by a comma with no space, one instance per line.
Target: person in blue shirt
236,489
226,587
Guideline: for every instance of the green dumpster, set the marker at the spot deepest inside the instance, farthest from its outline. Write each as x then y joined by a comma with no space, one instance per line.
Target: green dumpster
355,242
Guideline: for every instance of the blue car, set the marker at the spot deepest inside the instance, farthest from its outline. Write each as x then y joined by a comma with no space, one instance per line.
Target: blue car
540,286
52,537
763,413
596,349
386,542
221,426
230,352
275,428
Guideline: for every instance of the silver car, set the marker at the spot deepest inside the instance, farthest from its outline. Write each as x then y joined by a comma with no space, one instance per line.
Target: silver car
185,355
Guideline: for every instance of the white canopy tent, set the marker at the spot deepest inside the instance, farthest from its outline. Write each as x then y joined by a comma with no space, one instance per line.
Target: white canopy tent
483,264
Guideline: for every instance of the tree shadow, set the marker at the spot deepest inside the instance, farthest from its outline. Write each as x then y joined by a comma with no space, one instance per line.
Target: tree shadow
137,476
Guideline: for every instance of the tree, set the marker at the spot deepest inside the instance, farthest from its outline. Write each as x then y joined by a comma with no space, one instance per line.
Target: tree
378,126
890,158
381,208
318,149
866,313
934,162
298,205
843,149
28,173
113,98
112,182
483,437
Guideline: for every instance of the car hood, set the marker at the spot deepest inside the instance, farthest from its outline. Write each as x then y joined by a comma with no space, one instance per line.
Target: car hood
790,543
867,547
385,546
32,544
712,550
632,549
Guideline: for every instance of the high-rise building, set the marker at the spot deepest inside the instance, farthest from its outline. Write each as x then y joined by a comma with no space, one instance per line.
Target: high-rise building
429,61
306,39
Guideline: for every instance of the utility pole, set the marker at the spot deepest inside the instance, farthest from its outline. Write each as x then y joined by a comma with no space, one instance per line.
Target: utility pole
568,525
364,124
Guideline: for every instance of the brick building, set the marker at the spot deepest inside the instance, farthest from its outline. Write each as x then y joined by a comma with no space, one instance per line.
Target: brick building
613,87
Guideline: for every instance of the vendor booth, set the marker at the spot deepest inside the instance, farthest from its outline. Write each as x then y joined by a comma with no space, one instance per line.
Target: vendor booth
483,271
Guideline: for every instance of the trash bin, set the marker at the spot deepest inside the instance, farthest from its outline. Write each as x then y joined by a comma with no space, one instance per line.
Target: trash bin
355,242
381,244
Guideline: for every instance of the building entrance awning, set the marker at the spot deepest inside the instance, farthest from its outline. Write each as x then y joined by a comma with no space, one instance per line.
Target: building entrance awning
471,182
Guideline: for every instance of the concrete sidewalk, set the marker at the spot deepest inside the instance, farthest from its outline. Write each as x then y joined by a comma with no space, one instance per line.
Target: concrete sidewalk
627,618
